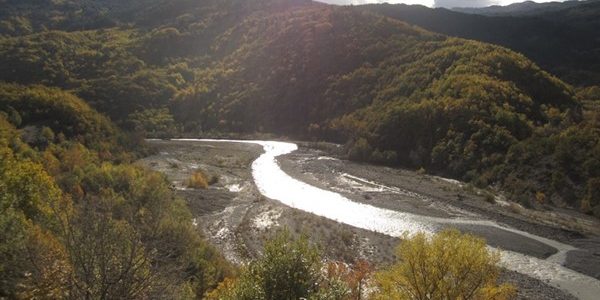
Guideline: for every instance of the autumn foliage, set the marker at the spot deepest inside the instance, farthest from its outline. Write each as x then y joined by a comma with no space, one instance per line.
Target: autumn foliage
197,180
448,265
78,220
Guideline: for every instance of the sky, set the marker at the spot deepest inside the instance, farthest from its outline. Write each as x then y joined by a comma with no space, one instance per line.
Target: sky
435,3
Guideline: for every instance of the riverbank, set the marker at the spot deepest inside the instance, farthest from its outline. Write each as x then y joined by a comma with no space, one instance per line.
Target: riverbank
426,195
237,219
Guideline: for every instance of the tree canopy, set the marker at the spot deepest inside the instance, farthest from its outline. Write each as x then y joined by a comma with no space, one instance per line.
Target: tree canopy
448,265
78,220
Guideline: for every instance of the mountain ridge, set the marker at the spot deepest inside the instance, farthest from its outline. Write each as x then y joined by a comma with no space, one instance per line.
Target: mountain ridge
526,8
563,42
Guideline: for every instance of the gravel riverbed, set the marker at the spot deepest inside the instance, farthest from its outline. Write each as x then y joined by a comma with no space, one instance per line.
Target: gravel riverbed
236,218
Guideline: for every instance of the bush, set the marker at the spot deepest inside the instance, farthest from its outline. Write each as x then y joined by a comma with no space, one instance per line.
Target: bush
214,179
360,150
197,181
289,269
449,265
384,157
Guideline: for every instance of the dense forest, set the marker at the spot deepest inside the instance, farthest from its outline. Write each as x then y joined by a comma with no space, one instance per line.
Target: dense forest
563,40
76,215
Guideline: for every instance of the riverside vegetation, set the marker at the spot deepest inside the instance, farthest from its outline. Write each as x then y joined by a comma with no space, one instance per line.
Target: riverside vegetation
77,77
448,266
78,220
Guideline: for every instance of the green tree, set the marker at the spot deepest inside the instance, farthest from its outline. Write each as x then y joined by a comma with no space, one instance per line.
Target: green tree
154,123
289,269
360,150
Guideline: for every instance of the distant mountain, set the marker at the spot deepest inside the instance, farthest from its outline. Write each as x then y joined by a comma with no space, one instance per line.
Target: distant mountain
527,8
463,3
566,42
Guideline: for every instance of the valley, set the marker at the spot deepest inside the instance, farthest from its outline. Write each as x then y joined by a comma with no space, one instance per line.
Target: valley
381,204
398,151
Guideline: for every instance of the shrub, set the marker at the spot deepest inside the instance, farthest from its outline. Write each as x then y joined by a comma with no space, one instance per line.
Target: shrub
489,198
540,197
289,269
214,179
197,181
449,265
384,157
360,150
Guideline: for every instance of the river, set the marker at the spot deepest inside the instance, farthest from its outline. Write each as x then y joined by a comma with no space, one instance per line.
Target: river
275,184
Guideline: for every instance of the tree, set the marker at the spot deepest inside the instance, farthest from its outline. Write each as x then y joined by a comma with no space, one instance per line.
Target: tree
109,259
289,269
345,281
197,181
32,261
49,270
154,122
360,150
449,265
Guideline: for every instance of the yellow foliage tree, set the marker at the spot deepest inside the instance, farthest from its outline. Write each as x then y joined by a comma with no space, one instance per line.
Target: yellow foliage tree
449,265
225,290
49,269
197,180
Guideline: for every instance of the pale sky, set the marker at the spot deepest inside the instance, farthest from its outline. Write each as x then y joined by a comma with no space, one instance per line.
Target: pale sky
435,3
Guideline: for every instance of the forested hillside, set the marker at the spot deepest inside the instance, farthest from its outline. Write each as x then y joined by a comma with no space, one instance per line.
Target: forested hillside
525,8
563,41
394,93
77,220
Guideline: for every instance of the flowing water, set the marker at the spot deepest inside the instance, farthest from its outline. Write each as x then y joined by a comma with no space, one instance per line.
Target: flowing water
275,184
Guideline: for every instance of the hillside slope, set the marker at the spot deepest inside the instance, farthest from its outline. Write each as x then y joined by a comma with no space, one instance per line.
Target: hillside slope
78,219
565,42
395,93
526,8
